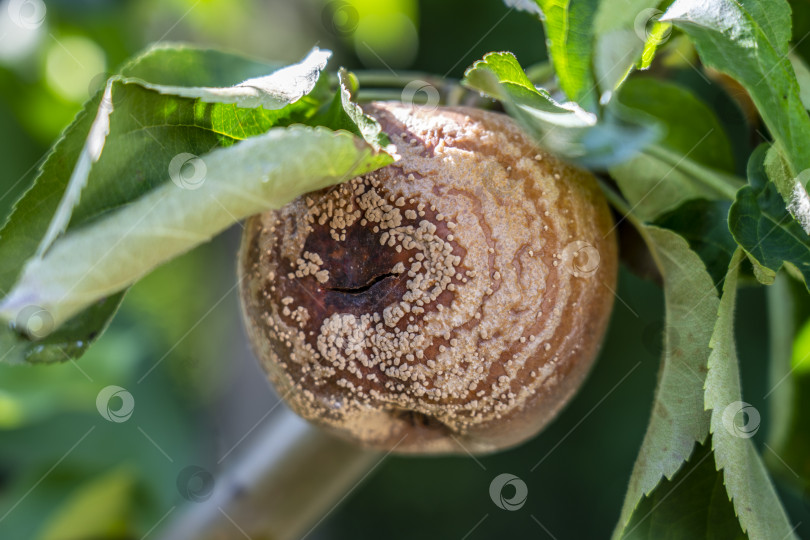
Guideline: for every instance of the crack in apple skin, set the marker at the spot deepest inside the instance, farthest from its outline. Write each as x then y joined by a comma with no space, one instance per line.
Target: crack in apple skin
363,288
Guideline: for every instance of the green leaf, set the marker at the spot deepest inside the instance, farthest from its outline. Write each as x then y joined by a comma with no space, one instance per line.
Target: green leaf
733,423
272,92
681,166
179,64
658,180
789,382
624,36
748,40
98,509
658,35
678,419
693,504
791,189
263,172
564,129
68,341
166,64
704,224
569,38
762,226
684,165
615,56
345,114
692,128
500,75
777,169
800,11
29,219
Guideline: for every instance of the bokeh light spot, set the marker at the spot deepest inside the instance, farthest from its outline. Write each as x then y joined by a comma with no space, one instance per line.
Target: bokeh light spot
72,62
382,41
801,350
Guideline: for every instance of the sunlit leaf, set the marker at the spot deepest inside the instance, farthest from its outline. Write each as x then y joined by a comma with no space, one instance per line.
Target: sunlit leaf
565,129
569,38
734,422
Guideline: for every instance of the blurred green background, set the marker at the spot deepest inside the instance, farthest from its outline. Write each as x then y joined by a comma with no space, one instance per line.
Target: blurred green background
177,346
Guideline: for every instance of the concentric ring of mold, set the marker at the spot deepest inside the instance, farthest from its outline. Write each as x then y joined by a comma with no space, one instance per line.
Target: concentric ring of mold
433,306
